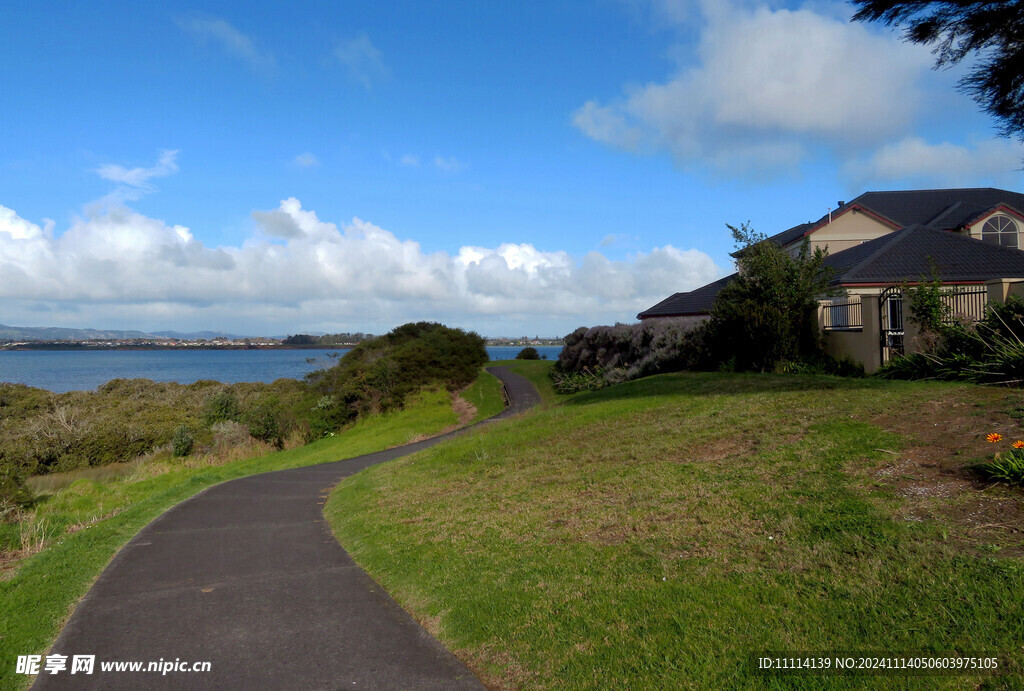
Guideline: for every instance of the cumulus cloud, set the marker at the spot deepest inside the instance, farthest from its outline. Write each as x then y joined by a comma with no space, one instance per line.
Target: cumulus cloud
766,85
362,60
915,161
299,270
230,40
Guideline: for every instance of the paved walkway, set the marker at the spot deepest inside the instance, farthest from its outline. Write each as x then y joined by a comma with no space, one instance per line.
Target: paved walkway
247,575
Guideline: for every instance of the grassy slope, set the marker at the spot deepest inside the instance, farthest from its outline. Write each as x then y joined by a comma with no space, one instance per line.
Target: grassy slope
485,395
656,533
91,520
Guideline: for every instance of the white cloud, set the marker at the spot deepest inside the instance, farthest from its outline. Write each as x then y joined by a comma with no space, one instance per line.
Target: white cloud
135,182
448,164
915,161
306,160
299,271
361,59
767,84
230,40
410,160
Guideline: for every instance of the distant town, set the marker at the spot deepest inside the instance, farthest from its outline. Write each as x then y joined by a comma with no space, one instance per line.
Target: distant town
138,341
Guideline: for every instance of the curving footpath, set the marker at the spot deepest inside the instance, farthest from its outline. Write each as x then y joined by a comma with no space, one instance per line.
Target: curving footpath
247,576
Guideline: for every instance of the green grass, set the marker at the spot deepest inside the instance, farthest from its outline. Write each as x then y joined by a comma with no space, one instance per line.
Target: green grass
654,534
86,522
485,395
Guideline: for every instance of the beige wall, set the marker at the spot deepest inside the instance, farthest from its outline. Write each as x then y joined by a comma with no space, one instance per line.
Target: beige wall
861,346
845,231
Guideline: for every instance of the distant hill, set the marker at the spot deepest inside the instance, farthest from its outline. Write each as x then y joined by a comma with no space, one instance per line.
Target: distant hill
54,333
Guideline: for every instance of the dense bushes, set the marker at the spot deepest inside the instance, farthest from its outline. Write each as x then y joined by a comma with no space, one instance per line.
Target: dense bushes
988,352
628,351
528,353
378,375
46,432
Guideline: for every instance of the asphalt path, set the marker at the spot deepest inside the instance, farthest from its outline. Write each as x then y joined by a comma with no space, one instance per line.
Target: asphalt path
247,576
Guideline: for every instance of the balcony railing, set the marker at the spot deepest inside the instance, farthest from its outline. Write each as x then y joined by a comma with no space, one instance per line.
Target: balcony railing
843,314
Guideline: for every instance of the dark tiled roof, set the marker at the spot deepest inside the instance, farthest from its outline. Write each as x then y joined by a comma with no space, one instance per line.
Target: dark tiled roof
788,236
683,304
905,255
945,209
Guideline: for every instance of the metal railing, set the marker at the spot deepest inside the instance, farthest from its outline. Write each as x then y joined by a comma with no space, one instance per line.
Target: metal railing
965,304
843,314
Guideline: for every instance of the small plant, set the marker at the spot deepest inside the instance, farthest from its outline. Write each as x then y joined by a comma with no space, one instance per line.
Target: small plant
182,442
1006,466
574,382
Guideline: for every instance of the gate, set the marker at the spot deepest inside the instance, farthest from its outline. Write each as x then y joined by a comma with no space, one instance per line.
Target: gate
890,320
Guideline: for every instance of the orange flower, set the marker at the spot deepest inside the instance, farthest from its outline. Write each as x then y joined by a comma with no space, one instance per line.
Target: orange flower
994,437
1018,444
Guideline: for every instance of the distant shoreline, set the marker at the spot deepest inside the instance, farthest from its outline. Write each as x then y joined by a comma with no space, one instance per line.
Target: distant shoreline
88,346
81,345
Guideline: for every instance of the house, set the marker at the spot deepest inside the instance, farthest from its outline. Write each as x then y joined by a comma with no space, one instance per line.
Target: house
881,239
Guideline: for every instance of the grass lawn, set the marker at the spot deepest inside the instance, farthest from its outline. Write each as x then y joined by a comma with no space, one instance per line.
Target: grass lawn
77,529
657,533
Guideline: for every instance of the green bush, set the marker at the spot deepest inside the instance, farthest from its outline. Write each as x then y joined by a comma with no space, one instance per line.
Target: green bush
266,421
377,375
767,315
182,442
14,493
988,352
221,407
528,353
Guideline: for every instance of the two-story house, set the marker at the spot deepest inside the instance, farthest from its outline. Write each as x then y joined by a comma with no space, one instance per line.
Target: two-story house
971,237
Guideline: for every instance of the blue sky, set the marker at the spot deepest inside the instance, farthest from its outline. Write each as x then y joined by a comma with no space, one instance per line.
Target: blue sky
513,168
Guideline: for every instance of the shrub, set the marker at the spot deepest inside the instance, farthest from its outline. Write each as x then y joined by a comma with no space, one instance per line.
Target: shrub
988,352
528,353
14,493
221,406
378,375
182,442
266,421
767,314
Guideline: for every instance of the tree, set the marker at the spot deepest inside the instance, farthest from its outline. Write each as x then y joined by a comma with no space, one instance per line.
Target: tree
767,315
992,31
528,353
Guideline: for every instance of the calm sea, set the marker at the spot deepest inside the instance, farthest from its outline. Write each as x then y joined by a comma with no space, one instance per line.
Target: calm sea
73,370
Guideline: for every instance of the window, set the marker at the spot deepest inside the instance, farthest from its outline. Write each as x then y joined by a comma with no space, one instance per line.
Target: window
1000,230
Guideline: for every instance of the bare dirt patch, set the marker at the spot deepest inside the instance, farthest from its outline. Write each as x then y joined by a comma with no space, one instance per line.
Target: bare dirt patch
933,475
465,410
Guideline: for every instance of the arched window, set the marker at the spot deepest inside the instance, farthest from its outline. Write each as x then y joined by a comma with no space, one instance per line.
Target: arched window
1000,230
